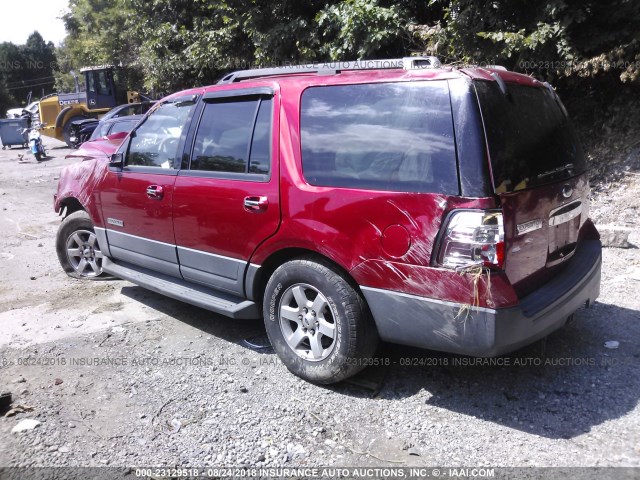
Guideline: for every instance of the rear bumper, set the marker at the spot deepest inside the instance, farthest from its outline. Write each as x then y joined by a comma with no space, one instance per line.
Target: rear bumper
448,326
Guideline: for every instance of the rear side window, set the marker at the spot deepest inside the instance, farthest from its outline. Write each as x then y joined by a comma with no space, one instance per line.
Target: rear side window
387,136
234,136
530,138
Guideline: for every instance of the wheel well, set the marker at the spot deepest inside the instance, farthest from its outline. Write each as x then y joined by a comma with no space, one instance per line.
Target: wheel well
282,256
69,206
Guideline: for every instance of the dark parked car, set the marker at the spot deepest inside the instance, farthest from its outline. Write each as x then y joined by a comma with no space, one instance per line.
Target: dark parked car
396,200
81,130
128,109
115,125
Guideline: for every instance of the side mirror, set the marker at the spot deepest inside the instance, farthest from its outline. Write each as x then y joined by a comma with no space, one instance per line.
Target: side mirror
117,161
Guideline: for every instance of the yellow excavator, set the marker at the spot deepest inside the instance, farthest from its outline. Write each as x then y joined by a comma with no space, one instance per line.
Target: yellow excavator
59,110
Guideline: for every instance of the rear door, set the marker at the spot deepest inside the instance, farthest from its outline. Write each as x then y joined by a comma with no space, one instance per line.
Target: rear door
539,173
226,198
137,201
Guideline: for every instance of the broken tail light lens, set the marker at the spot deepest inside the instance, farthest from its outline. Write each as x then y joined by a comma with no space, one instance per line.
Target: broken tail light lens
472,237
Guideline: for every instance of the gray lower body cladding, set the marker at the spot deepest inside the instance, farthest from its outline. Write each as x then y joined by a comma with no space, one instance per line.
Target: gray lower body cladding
449,327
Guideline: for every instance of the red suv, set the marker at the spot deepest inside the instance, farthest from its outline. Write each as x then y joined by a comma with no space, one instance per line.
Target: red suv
345,203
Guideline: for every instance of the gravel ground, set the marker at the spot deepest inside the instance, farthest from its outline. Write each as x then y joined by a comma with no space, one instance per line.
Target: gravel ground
120,376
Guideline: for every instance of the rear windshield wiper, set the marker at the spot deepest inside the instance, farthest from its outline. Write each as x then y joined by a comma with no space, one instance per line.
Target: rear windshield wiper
567,167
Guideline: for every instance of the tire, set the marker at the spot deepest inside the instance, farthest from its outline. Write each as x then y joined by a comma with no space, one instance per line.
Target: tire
38,156
301,335
66,130
77,247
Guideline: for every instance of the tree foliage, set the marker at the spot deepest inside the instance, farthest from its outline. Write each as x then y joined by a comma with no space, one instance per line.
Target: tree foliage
25,69
173,44
361,29
557,39
97,34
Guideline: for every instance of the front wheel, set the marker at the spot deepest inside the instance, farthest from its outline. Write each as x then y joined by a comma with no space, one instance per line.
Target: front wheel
66,130
77,247
317,322
38,156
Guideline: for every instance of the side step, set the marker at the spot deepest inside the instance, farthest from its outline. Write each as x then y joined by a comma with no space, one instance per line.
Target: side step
179,289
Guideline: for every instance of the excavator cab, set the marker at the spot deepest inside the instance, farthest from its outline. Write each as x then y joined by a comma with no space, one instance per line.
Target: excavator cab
101,88
105,88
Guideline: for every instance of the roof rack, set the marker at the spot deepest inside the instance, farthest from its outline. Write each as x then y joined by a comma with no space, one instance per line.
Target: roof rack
496,67
332,68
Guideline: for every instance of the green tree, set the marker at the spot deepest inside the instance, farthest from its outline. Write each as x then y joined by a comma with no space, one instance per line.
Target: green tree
6,100
358,29
557,39
96,35
26,70
172,44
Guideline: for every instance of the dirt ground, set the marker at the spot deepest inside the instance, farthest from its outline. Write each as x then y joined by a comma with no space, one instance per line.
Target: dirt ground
116,375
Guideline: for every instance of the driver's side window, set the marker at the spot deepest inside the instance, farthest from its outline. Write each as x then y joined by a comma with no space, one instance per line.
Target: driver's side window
155,142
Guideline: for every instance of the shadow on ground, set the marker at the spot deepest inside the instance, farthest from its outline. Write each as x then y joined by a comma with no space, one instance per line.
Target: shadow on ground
559,387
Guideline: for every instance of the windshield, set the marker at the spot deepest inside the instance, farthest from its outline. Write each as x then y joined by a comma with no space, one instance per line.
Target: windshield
530,138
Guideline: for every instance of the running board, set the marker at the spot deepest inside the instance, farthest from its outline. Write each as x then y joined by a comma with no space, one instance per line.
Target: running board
179,289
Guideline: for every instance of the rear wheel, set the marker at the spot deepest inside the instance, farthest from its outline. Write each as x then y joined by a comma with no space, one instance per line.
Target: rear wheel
77,247
318,323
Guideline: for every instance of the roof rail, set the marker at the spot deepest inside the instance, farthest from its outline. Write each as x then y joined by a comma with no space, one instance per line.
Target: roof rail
332,68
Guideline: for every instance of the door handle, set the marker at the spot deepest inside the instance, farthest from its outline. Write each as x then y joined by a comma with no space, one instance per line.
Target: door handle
155,191
256,204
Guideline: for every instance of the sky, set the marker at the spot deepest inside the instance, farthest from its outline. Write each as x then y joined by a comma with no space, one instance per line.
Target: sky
19,18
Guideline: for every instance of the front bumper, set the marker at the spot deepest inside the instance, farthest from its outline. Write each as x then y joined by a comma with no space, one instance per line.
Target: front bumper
485,332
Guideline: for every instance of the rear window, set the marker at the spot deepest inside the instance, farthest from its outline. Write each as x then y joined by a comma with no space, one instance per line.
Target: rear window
530,138
386,136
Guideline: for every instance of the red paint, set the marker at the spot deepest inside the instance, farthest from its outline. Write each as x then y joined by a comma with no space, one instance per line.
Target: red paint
209,213
383,239
124,197
527,256
395,240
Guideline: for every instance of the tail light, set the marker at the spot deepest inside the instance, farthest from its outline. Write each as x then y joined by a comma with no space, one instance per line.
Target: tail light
472,237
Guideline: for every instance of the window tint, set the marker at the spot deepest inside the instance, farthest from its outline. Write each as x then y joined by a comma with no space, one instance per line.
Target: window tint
260,157
390,136
122,127
99,132
103,84
155,143
227,130
123,112
530,138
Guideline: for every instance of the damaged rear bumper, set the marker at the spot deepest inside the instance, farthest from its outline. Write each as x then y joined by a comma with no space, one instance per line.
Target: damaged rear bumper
485,332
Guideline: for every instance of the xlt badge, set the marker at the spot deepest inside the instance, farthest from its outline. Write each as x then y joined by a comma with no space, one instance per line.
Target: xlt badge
526,227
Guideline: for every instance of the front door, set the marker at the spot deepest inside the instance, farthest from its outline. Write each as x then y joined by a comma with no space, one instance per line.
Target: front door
227,201
137,201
